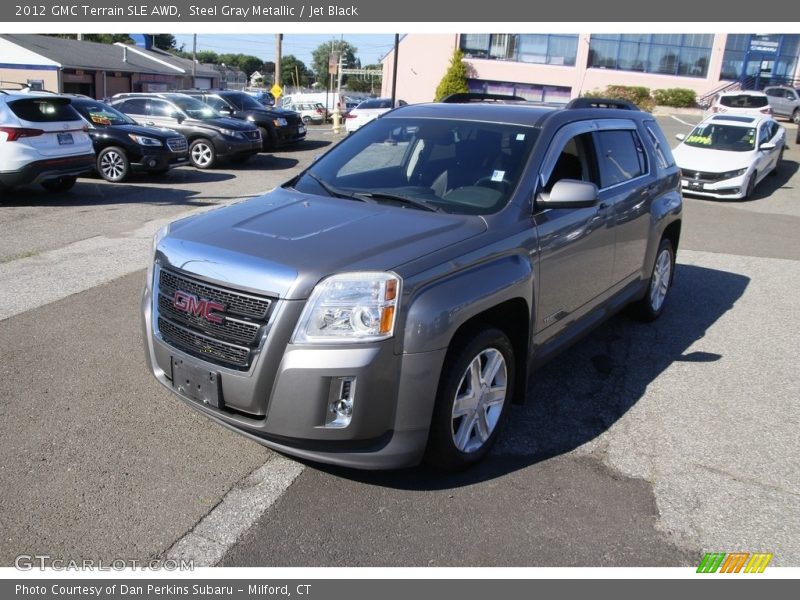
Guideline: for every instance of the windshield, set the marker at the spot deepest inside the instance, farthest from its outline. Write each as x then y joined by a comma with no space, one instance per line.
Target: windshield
102,115
195,108
461,167
246,101
715,136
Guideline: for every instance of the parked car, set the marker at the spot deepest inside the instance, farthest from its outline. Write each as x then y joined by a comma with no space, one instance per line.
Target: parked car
367,111
211,136
390,300
741,103
42,140
785,102
309,112
123,147
279,127
726,156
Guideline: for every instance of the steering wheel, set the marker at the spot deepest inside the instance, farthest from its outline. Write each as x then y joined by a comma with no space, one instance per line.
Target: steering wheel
501,185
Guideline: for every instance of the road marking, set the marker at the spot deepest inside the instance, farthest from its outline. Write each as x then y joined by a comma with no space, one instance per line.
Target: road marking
238,510
682,121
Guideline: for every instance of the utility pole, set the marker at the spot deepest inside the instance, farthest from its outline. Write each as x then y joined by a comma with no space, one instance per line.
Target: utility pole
278,41
394,67
194,60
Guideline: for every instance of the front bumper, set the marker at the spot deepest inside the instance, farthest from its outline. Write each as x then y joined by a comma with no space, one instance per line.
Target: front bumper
158,161
228,146
733,188
291,134
282,400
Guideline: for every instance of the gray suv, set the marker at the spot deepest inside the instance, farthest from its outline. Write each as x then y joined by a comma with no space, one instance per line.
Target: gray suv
388,303
785,102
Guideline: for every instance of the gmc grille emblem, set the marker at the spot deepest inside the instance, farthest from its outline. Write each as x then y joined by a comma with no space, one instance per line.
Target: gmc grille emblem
199,307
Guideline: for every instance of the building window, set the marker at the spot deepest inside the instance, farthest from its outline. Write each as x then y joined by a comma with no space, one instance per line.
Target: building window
518,47
766,58
670,54
531,92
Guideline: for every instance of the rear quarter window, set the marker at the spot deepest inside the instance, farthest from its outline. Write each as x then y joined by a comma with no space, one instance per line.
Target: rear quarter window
663,154
44,110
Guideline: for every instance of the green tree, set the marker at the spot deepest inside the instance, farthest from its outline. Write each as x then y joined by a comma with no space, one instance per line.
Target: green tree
293,68
165,41
320,56
455,78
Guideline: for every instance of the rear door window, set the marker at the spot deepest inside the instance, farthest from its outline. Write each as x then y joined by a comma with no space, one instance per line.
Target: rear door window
621,156
134,106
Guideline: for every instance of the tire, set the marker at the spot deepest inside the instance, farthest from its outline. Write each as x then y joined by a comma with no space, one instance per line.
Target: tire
650,307
113,164
466,422
61,184
306,120
796,116
267,141
202,153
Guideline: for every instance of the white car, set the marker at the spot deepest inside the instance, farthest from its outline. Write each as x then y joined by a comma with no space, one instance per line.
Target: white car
42,140
367,111
742,102
726,156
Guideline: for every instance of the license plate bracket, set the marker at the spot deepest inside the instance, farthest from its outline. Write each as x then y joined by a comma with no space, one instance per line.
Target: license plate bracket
196,383
65,139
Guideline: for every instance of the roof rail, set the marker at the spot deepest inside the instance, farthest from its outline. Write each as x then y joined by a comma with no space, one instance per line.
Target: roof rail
463,97
588,102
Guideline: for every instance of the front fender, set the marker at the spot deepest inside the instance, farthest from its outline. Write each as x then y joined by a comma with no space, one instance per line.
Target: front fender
439,308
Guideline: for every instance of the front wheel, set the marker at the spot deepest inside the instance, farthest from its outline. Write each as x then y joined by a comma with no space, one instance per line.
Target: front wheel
113,164
651,306
202,153
796,116
474,394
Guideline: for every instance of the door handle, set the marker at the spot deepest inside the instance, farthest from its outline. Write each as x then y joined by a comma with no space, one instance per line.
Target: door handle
602,206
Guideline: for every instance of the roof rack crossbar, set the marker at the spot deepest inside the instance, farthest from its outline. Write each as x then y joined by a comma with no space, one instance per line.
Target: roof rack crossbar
589,102
463,97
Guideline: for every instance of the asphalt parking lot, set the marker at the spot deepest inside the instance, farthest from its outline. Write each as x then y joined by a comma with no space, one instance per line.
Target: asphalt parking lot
643,445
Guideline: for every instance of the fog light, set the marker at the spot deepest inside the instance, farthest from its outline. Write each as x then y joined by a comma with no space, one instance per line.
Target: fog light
340,402
152,163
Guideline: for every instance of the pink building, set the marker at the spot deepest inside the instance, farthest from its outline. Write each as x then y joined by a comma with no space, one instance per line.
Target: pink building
557,67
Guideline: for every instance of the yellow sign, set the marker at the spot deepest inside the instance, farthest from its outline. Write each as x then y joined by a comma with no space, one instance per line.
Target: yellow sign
276,90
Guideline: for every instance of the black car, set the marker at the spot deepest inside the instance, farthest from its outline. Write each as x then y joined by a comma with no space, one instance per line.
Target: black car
211,135
123,147
279,127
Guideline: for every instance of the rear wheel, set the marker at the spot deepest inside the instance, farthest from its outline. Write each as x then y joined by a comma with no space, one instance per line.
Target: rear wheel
202,153
651,306
113,164
474,394
796,116
61,184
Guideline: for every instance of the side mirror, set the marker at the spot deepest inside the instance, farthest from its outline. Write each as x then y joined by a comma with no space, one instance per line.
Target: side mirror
680,136
569,193
767,146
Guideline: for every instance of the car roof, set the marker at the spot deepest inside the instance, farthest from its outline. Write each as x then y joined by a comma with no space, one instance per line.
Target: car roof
512,113
739,120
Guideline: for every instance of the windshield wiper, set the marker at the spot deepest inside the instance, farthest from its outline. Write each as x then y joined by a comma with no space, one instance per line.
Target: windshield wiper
336,192
415,202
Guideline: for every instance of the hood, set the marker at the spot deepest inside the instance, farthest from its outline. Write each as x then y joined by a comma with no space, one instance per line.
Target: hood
283,243
712,161
157,132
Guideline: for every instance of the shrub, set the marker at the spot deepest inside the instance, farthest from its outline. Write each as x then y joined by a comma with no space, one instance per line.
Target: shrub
639,95
675,97
455,79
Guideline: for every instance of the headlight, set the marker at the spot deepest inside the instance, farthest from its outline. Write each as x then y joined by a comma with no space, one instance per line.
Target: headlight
732,174
159,235
280,122
143,140
232,133
350,307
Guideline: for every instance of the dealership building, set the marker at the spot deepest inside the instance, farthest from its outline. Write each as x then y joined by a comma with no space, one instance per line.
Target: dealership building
557,67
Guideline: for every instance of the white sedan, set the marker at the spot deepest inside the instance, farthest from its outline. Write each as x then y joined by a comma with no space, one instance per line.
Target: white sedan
726,156
367,111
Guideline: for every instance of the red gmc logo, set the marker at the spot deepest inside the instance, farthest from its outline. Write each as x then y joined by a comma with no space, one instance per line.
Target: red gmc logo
199,307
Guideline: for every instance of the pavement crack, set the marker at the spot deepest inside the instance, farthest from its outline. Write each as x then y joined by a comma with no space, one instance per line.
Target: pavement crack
747,480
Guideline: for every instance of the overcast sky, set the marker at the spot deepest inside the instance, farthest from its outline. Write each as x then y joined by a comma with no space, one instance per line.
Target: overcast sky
370,47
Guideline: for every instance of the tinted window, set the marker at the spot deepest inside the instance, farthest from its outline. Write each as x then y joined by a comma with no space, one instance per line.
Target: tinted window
377,103
159,108
621,156
102,115
216,103
134,106
576,160
43,110
744,101
663,153
243,101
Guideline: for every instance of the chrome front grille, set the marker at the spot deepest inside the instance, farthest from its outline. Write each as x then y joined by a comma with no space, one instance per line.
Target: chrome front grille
177,144
231,341
704,176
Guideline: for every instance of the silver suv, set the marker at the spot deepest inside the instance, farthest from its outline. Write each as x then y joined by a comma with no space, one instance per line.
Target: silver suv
785,102
389,302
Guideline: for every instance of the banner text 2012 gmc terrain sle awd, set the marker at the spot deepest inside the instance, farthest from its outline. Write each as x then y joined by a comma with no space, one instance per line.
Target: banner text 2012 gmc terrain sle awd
387,304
